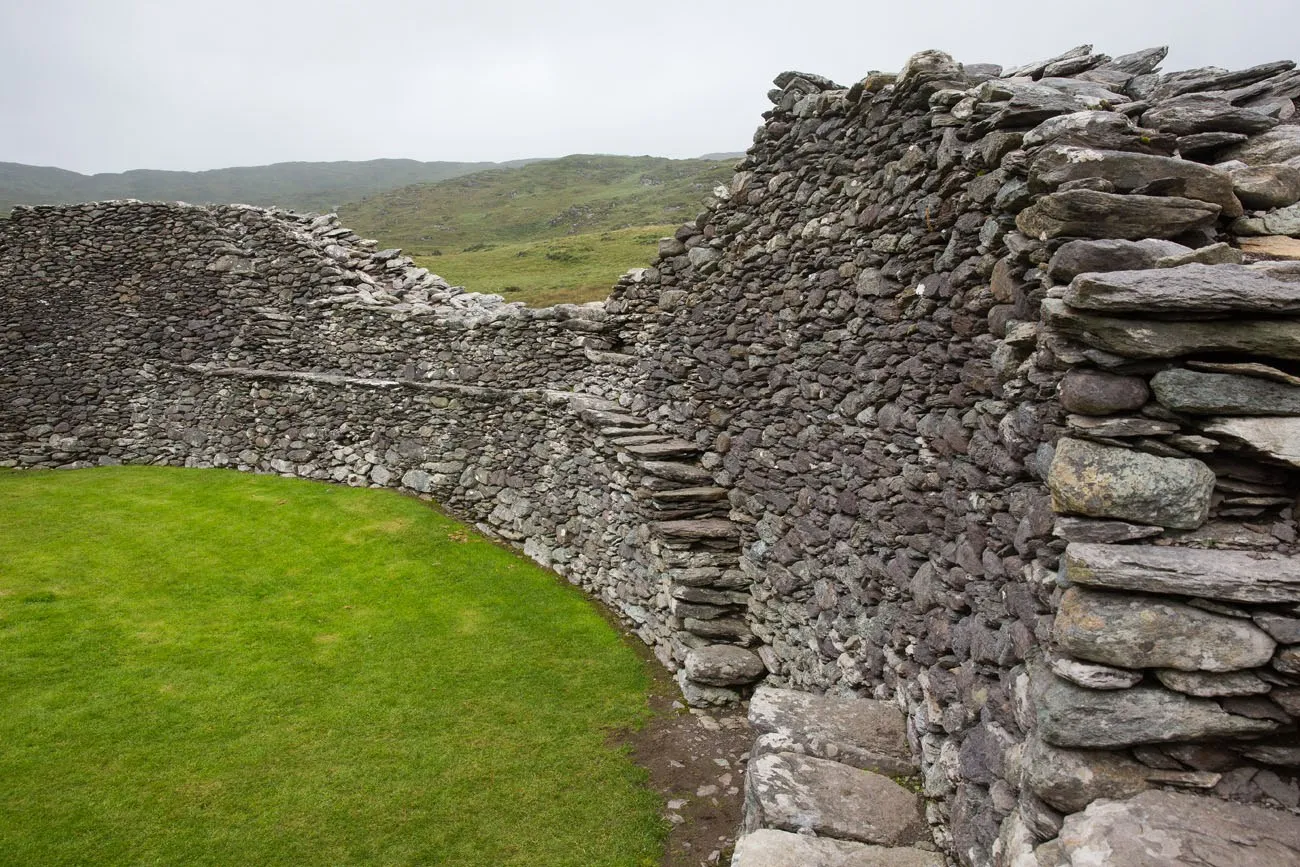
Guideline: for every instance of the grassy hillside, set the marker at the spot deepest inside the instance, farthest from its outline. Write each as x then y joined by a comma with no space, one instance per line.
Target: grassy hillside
560,230
571,269
570,196
300,186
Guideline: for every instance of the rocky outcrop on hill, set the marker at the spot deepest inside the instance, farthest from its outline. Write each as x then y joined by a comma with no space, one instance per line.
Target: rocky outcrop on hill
972,399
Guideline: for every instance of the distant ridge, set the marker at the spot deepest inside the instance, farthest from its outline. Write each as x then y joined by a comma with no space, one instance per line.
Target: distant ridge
302,186
723,155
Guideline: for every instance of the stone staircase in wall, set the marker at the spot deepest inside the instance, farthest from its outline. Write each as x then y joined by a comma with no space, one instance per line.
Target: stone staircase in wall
823,790
695,549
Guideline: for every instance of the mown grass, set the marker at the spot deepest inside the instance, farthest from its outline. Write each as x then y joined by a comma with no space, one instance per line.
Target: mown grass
572,269
201,667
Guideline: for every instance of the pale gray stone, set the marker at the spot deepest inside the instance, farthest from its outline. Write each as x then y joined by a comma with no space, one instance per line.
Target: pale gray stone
770,848
789,792
1130,631
1263,188
860,732
1107,482
1278,145
1235,576
1284,629
1278,438
1093,675
723,665
1211,685
1169,829
1071,716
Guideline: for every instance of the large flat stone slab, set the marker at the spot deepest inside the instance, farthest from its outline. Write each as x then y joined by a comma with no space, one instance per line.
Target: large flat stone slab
1133,631
1059,164
1108,482
1203,393
1270,288
1199,112
1092,214
1150,338
1071,716
769,848
723,665
860,732
1168,829
1230,576
788,792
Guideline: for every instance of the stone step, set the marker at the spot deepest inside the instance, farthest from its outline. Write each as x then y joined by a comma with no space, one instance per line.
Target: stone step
686,495
688,474
696,530
790,792
768,848
671,448
866,734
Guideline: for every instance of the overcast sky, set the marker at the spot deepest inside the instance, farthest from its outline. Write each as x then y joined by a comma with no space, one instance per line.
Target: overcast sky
109,85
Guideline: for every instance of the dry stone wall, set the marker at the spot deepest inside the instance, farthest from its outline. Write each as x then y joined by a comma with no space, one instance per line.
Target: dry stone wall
975,393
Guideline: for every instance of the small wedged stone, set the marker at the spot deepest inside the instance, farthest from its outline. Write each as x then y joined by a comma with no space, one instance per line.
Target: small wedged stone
1099,481
1265,288
1278,438
1168,829
1203,393
1152,338
1282,221
1071,716
1090,214
1093,675
1234,576
1094,530
723,665
860,732
789,792
1126,171
770,848
1135,632
1212,685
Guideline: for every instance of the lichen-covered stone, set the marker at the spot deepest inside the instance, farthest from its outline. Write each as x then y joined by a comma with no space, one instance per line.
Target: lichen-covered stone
1107,482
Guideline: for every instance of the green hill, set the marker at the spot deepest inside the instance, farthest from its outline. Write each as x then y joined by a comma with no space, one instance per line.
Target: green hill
574,195
298,185
549,232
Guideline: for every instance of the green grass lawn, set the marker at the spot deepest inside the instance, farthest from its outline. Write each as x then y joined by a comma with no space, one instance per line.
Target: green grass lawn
576,268
203,667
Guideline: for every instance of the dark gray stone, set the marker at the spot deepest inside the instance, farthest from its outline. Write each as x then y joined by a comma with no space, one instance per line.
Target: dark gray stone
1200,393
1200,112
1096,393
1079,257
1089,214
1061,164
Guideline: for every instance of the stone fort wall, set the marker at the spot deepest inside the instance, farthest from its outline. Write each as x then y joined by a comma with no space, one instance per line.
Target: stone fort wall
978,391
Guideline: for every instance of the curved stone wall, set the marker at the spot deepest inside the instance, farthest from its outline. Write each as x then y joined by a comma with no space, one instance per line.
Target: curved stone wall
976,392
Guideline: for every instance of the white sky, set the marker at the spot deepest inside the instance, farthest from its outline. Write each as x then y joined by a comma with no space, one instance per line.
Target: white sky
109,85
